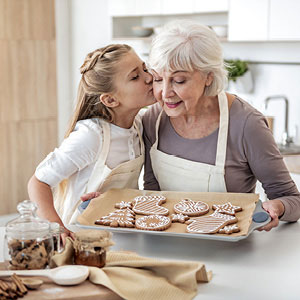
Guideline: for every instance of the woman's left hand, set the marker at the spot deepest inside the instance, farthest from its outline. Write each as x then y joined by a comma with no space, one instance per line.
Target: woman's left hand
275,208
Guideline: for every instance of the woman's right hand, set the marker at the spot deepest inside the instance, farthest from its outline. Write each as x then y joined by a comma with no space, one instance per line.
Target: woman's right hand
90,196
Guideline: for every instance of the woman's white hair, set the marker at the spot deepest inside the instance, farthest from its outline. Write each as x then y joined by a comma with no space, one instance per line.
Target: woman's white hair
187,45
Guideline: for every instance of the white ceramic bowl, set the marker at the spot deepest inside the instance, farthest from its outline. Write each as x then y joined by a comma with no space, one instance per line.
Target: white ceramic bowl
140,31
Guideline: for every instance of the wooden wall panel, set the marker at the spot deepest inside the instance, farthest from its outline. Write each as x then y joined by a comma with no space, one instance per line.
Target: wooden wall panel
28,108
27,19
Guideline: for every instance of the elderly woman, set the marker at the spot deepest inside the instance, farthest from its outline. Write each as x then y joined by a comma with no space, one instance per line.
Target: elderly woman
199,138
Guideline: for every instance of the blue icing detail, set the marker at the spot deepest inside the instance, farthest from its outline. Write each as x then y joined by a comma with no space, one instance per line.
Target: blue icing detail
260,217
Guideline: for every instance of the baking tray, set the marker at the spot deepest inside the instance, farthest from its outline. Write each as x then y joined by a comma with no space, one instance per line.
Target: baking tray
259,218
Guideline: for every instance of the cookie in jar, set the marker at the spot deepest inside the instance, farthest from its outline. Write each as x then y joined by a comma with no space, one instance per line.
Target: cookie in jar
90,247
28,240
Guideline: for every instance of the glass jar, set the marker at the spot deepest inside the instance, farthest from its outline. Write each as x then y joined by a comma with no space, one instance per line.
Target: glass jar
56,230
28,240
90,247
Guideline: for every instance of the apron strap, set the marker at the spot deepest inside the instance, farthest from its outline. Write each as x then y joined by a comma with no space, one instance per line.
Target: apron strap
223,130
140,137
105,143
156,130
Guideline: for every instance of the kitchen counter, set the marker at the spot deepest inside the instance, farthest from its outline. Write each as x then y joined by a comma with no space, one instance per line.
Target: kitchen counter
266,265
292,163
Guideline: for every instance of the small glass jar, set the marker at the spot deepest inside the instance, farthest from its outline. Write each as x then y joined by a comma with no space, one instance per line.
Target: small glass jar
28,240
56,230
90,247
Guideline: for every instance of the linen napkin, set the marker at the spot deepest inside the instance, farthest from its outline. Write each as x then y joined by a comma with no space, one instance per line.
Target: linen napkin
135,277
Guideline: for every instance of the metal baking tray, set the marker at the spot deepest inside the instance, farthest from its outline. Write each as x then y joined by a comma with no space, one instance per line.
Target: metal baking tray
258,212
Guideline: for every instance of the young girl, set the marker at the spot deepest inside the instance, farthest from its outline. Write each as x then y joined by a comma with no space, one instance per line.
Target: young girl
103,146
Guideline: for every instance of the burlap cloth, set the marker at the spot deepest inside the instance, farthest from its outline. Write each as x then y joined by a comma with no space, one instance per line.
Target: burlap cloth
135,277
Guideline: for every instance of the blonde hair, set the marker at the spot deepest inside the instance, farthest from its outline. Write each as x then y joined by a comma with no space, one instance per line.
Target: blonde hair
98,72
187,45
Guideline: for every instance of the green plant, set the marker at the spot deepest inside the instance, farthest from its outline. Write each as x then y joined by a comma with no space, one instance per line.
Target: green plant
236,68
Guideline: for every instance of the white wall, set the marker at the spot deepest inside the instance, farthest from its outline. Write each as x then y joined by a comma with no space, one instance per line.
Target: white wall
81,27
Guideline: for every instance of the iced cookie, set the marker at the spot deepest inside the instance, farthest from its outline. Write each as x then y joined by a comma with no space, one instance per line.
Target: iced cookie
123,204
230,229
153,222
210,224
150,205
181,218
227,208
119,218
191,208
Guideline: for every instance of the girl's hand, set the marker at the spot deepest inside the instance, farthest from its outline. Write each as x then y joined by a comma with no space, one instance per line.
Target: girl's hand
89,196
275,208
65,234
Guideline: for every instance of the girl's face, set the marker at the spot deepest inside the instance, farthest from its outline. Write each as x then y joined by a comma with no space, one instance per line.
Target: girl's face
179,92
133,83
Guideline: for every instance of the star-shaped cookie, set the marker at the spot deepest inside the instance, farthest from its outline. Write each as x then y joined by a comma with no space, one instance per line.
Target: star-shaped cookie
226,208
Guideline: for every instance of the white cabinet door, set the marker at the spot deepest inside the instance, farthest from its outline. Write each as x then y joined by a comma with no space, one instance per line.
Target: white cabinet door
203,6
148,7
170,7
284,20
122,8
248,20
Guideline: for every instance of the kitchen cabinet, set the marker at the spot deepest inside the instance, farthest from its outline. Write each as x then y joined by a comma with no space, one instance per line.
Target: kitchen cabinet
284,20
203,6
177,7
126,14
248,20
264,20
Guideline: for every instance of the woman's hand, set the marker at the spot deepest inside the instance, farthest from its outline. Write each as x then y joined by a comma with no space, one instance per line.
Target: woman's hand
275,208
89,196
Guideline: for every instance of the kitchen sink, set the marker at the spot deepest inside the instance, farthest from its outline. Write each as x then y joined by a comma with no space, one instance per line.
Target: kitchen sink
289,149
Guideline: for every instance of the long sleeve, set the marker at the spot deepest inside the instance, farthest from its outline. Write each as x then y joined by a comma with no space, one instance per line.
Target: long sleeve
76,152
268,166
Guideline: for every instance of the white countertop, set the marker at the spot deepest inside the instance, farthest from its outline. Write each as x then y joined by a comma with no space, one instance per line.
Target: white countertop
266,265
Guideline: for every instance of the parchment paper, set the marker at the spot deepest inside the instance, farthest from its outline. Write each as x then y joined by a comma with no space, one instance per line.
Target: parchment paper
104,204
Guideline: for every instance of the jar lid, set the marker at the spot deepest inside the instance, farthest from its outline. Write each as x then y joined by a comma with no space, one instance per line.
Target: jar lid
92,238
27,225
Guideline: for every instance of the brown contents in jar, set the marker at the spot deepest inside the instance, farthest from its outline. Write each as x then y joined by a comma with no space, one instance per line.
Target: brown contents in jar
90,247
29,254
88,258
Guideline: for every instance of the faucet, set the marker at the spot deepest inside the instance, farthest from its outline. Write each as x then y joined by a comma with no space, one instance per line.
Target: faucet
286,139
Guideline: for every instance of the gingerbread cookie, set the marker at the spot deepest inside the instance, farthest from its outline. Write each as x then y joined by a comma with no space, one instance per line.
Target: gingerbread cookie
153,222
230,229
227,208
191,208
181,218
150,205
123,204
210,224
119,218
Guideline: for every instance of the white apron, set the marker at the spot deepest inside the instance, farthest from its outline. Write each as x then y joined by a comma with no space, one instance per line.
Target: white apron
178,174
103,178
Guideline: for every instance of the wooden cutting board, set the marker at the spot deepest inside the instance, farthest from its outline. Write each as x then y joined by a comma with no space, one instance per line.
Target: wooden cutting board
83,291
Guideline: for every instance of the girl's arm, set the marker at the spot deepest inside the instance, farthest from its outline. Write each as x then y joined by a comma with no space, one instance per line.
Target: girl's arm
41,193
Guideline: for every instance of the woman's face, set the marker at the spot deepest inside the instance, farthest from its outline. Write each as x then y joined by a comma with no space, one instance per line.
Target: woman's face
133,82
179,92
